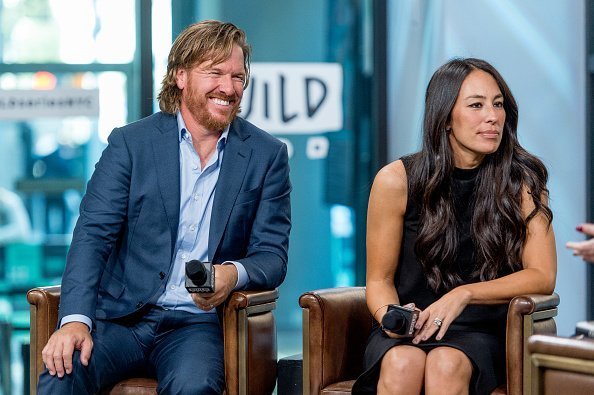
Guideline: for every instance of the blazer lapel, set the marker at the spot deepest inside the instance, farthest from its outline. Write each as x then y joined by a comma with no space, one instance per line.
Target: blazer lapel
166,151
235,162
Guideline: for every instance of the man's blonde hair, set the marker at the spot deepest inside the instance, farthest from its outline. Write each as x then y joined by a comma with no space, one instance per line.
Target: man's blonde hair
209,40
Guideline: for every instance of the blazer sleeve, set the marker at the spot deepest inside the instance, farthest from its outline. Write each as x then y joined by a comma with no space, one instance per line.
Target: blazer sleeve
102,213
267,254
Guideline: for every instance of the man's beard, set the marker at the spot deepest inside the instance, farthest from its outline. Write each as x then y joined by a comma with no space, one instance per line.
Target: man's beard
198,106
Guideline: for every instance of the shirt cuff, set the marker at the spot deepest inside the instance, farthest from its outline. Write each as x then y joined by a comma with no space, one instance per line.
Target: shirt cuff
77,318
242,276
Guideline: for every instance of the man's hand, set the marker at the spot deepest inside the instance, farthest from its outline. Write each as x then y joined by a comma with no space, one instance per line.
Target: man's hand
584,249
57,353
225,280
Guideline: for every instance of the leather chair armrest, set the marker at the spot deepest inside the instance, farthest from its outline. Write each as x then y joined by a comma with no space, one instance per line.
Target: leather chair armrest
248,299
250,342
336,324
581,348
561,365
527,315
44,303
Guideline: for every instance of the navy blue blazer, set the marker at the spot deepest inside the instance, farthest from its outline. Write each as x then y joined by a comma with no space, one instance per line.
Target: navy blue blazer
122,249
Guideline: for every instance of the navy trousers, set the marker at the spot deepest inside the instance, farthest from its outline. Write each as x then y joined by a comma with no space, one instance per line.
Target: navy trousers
184,351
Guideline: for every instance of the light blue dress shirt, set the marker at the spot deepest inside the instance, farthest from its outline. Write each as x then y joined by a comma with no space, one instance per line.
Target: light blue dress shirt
197,190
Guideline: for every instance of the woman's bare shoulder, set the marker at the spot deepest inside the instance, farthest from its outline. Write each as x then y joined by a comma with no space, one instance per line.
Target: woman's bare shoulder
392,178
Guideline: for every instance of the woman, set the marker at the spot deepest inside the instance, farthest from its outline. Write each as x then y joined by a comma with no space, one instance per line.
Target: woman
456,230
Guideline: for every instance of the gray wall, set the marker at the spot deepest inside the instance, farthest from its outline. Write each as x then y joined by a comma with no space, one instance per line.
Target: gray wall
539,48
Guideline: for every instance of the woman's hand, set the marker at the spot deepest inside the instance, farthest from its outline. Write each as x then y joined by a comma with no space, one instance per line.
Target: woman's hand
438,316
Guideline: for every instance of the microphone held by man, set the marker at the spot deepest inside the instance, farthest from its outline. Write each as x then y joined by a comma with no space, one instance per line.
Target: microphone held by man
200,277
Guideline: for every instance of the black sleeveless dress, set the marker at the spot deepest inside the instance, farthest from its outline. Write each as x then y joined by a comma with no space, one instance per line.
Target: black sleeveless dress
479,331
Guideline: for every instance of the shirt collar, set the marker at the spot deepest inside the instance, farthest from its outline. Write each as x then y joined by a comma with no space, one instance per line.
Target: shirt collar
182,130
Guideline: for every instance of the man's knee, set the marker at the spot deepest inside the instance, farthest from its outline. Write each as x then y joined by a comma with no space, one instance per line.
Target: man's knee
77,382
195,383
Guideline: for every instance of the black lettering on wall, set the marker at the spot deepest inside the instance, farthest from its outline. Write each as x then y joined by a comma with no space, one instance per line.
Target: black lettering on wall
285,118
312,109
266,112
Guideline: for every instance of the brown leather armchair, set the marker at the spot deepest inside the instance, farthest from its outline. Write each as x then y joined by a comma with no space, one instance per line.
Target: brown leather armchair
561,365
336,324
249,336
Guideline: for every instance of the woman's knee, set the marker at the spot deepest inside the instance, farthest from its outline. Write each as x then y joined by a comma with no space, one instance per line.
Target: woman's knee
445,364
402,364
403,358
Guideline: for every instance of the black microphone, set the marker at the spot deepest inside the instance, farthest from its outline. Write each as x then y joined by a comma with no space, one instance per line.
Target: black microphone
199,276
400,320
393,322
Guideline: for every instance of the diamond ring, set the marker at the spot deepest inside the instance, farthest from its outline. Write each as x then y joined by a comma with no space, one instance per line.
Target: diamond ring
437,322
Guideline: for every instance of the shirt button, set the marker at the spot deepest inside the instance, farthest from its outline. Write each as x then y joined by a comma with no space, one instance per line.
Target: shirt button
172,286
184,256
196,196
193,228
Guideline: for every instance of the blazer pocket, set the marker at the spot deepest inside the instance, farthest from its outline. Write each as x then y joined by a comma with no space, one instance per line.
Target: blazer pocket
111,285
249,196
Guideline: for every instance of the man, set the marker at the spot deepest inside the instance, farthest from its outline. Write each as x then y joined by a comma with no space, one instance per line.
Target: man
190,182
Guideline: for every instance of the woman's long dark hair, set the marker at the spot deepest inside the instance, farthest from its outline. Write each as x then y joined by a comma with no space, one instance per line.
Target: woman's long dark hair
498,227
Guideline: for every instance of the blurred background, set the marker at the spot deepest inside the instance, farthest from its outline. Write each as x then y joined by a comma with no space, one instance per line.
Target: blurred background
340,81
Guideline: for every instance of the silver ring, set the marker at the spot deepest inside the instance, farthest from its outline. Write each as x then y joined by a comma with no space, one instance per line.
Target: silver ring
437,322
